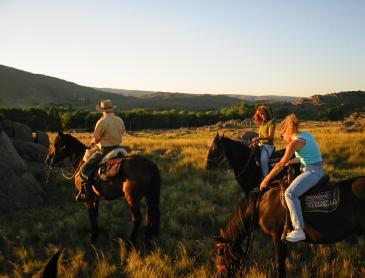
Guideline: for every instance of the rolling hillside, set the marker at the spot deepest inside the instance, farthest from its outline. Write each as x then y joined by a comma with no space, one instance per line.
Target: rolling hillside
23,89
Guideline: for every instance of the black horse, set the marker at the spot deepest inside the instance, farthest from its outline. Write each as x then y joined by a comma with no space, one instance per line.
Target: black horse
242,158
137,177
346,220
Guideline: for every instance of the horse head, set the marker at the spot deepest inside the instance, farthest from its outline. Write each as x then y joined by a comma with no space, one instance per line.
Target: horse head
227,261
62,151
215,155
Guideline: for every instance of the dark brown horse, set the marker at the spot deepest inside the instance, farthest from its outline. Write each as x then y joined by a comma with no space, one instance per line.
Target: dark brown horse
320,227
242,158
137,177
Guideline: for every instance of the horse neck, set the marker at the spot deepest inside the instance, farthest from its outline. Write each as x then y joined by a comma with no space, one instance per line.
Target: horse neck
78,150
241,159
236,228
235,152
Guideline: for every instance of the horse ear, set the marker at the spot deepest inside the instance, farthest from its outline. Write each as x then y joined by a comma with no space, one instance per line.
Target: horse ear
221,232
60,132
222,135
217,136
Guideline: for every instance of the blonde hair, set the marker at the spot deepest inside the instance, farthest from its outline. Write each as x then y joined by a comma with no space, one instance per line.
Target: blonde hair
257,116
290,125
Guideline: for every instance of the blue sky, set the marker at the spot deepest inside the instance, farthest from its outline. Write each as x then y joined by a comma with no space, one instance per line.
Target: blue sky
280,47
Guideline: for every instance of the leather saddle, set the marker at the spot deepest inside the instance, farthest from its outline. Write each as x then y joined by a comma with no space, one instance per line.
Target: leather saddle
110,165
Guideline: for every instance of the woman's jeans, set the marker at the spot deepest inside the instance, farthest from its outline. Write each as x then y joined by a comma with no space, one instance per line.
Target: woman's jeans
266,152
307,179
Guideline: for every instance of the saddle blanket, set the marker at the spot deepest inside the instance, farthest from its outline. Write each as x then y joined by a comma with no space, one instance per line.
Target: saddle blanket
110,169
324,201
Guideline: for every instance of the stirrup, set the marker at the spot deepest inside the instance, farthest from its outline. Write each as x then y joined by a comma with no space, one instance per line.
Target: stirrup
82,196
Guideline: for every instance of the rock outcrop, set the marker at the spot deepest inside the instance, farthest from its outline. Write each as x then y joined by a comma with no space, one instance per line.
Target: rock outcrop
354,122
22,160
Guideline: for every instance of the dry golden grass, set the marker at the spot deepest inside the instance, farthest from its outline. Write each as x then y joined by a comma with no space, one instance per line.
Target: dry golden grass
194,205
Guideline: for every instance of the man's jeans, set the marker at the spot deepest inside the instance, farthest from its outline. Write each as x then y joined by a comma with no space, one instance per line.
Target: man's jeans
89,167
266,152
302,183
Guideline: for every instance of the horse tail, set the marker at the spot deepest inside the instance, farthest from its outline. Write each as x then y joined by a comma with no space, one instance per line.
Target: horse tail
153,204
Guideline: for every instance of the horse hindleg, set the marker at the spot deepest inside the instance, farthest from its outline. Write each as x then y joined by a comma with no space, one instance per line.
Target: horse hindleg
280,255
93,210
136,217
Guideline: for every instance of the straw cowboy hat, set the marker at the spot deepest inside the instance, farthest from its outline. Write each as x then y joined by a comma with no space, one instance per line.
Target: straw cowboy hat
105,106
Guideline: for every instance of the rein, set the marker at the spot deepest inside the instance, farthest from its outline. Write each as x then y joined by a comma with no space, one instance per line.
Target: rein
252,226
73,175
246,165
71,165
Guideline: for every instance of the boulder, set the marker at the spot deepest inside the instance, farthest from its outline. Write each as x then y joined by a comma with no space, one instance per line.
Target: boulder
7,126
246,137
18,191
41,138
30,151
22,132
9,154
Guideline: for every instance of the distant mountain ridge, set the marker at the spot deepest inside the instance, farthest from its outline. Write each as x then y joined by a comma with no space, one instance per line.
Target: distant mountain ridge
21,89
246,98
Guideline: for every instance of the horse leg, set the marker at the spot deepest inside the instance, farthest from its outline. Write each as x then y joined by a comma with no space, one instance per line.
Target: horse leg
280,255
93,210
136,217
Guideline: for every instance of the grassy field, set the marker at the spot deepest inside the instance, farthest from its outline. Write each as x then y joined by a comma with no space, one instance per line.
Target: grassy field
194,205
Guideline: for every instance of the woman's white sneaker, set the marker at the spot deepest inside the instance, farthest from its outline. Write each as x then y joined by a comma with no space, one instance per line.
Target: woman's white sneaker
296,235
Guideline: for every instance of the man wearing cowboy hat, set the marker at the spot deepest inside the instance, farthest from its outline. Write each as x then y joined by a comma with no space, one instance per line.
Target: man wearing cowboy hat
107,136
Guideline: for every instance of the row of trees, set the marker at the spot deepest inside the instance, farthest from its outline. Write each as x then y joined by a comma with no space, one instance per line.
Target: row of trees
63,118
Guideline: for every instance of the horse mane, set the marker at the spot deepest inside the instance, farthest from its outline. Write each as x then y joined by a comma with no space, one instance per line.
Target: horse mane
235,228
238,144
72,140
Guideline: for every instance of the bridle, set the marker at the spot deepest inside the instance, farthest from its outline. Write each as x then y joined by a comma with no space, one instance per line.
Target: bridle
75,160
217,161
227,259
224,263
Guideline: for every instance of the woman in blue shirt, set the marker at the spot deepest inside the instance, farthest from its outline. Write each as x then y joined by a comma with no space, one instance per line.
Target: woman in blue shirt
307,152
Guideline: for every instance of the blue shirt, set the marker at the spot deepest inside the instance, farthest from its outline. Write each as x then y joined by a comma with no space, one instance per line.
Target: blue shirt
310,153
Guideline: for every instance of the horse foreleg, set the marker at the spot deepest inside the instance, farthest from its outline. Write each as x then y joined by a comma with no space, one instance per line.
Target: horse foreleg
280,255
93,210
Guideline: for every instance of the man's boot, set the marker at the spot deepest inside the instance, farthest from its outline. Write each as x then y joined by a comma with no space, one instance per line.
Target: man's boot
86,193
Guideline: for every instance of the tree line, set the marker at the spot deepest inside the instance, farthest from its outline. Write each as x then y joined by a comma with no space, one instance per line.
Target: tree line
66,117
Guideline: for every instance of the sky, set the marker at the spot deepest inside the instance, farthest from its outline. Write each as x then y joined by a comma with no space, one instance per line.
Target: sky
278,47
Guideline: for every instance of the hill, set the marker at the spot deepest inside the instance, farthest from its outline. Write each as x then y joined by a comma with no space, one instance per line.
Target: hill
245,98
23,89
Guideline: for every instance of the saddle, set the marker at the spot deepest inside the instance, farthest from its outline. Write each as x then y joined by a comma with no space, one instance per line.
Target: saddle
324,197
274,158
110,165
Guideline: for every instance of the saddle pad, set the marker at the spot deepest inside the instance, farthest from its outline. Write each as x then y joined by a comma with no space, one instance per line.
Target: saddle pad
110,169
119,152
324,201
